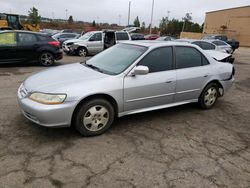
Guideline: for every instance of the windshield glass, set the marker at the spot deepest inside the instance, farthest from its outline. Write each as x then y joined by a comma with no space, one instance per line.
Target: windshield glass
86,36
117,58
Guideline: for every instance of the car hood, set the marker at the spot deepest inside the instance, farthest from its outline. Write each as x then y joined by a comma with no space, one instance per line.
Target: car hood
54,79
218,55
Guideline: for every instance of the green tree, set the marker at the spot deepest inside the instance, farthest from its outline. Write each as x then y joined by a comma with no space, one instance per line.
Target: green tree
163,26
137,22
70,20
93,23
143,27
34,17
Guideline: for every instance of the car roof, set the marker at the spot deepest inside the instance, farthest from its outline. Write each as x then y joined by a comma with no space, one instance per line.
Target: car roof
22,31
154,44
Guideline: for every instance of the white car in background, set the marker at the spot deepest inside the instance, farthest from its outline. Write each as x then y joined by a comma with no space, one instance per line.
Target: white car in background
94,42
218,53
221,45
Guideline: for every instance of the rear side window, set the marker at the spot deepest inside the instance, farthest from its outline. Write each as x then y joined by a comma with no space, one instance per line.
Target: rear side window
160,59
218,43
8,39
197,43
207,46
187,57
26,38
122,36
43,38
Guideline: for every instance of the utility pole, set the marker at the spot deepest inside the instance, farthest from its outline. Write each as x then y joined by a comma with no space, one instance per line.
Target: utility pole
119,16
66,14
152,13
129,6
186,18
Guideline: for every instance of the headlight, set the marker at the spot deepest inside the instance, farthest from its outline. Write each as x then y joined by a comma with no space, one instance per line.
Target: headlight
45,98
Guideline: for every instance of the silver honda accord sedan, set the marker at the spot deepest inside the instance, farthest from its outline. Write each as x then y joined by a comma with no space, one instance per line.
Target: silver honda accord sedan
128,78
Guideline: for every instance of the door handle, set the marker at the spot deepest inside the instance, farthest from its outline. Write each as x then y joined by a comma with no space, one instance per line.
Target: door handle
168,82
206,75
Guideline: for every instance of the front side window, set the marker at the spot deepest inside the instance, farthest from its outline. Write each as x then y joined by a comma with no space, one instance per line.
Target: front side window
160,59
122,36
26,38
187,57
8,39
96,37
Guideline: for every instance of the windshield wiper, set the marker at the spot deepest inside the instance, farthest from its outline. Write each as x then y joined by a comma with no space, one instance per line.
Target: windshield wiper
93,67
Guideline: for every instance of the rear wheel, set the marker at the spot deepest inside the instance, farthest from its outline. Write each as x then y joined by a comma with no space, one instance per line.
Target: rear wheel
94,117
209,96
46,59
82,52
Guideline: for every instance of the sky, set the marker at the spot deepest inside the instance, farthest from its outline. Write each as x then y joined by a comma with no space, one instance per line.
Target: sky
116,11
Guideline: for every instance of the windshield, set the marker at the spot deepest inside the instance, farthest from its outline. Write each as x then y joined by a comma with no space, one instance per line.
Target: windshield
117,58
86,36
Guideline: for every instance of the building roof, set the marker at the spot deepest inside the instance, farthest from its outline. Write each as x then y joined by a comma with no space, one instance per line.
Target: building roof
248,6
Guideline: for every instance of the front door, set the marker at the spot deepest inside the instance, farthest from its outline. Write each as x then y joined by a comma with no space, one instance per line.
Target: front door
95,43
155,88
8,48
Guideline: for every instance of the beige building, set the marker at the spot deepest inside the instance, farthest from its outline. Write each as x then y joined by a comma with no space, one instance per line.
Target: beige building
234,22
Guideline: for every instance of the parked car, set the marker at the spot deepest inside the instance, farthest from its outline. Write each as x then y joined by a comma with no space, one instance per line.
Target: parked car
216,52
166,38
24,46
137,36
151,37
232,42
94,42
128,78
222,45
62,37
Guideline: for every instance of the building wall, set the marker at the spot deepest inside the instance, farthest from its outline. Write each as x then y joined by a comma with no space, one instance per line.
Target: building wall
235,23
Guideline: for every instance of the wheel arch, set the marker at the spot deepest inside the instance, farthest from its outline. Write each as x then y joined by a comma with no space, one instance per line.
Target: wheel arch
107,97
221,89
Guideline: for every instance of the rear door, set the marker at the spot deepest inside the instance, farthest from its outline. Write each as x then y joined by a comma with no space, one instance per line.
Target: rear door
155,88
192,70
8,48
27,45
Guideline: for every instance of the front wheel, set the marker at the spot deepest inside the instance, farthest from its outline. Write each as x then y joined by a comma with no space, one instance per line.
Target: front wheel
209,96
82,52
94,117
46,59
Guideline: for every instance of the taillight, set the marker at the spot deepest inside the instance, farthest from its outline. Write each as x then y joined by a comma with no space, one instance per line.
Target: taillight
54,43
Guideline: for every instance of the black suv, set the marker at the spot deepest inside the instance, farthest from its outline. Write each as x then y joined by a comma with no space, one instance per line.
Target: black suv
24,46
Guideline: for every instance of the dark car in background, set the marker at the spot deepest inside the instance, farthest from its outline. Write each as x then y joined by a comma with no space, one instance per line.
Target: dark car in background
137,36
151,37
62,37
24,46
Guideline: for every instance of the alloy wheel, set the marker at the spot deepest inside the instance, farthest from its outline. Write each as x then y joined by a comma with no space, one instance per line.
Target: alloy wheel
96,118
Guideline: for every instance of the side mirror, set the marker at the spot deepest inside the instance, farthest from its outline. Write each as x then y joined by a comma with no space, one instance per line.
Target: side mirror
140,70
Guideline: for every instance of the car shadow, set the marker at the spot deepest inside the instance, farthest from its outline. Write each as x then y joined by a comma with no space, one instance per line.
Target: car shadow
120,124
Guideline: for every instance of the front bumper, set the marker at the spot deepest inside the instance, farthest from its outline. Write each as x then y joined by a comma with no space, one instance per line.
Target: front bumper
46,115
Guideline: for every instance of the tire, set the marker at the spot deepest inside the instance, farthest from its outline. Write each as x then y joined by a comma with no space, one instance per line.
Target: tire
82,52
46,59
94,117
209,96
